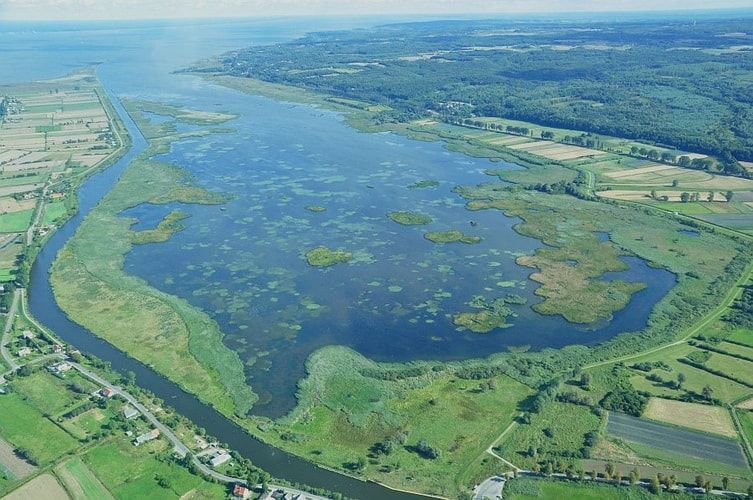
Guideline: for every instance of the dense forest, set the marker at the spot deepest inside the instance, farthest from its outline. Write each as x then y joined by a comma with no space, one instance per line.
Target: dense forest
685,83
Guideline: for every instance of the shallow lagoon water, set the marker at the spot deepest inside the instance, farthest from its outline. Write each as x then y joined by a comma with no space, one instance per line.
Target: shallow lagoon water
245,266
244,263
137,60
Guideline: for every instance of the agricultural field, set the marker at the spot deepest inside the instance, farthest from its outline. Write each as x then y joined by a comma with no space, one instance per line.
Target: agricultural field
46,444
706,418
139,472
51,132
83,445
527,488
44,486
686,444
81,481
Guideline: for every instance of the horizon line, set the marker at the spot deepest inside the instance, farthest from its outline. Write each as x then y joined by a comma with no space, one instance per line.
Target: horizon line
444,15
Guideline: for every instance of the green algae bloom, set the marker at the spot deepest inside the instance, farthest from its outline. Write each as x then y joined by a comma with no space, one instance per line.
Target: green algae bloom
315,208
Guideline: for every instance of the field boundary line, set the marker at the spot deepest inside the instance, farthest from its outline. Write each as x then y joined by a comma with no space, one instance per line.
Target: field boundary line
747,450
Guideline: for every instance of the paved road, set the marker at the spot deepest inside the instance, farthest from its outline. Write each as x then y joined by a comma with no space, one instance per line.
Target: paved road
491,489
6,332
180,448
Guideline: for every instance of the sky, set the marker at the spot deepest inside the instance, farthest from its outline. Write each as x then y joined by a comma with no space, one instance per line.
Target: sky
158,9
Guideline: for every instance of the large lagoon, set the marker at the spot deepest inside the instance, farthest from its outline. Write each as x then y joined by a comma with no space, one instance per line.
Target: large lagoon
244,262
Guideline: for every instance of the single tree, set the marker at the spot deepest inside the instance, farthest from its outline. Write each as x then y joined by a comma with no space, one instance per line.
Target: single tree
699,481
634,476
655,487
680,380
710,197
708,393
728,195
725,482
685,197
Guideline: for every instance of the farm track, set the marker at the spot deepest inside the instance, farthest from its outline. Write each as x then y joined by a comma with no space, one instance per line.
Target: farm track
676,440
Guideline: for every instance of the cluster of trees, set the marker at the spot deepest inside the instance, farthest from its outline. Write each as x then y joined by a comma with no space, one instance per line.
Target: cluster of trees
625,399
425,450
741,311
599,91
695,196
560,187
396,374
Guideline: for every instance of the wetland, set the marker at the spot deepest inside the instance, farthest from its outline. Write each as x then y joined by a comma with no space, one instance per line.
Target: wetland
282,278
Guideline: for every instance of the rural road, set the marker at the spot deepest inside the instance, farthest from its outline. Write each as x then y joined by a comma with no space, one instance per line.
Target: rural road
180,448
7,358
491,489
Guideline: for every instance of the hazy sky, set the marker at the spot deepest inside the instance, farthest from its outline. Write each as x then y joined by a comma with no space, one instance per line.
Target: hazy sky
128,9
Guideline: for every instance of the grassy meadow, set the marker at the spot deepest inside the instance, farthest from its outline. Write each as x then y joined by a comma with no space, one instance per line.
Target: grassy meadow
160,330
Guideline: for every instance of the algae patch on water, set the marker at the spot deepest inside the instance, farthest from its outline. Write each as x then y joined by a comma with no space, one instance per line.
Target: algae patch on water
424,184
316,208
451,236
410,218
324,257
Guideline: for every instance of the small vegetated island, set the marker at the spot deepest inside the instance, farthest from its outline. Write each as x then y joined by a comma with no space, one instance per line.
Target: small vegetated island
410,218
325,257
566,103
451,236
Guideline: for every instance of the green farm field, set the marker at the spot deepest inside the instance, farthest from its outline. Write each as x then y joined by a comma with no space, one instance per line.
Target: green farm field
47,443
133,472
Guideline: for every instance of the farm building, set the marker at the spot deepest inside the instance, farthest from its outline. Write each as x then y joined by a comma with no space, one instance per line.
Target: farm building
60,368
146,437
23,352
106,392
28,335
129,412
219,459
241,492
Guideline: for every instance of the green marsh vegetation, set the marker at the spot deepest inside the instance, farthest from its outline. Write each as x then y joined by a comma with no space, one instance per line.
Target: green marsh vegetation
159,329
423,184
491,314
356,415
168,226
574,255
325,257
367,419
451,236
706,267
407,218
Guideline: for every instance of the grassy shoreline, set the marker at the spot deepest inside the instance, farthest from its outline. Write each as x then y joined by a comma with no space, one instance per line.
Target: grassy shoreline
161,330
422,400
